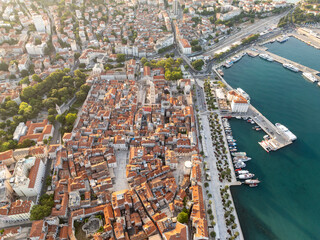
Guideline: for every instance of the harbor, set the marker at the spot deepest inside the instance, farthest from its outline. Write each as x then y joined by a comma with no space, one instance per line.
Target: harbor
277,139
283,97
308,73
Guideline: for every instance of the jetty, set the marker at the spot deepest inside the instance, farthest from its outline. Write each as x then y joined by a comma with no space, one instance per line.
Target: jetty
282,60
276,140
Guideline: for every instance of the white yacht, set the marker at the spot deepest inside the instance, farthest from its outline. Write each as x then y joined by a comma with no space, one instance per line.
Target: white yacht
246,176
290,67
286,131
310,77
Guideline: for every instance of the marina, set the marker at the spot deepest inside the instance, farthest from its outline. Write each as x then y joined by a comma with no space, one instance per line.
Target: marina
239,158
276,139
284,97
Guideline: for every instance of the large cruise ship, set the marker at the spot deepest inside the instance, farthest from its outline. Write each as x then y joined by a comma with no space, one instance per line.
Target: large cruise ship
290,67
286,131
309,77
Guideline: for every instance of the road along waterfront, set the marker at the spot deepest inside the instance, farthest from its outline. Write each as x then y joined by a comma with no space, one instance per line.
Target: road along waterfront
285,205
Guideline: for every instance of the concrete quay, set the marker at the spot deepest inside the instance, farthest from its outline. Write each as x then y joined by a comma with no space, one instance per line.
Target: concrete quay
307,35
282,60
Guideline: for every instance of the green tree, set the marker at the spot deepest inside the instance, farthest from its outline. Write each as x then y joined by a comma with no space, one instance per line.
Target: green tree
76,55
4,66
24,73
70,118
197,64
60,118
121,57
183,217
51,118
36,78
25,80
27,93
82,65
143,60
79,74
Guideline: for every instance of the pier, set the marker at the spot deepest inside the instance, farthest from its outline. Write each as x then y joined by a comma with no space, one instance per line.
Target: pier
283,60
277,139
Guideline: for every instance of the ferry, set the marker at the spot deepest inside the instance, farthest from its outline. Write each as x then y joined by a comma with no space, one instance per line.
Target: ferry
309,77
266,57
239,154
286,131
283,39
246,176
290,67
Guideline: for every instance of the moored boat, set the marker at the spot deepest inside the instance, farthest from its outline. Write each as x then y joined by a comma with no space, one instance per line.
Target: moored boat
244,158
246,176
290,67
242,172
309,77
239,154
251,181
240,164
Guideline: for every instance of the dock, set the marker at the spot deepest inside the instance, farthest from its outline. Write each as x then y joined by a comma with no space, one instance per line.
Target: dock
283,60
277,139
306,35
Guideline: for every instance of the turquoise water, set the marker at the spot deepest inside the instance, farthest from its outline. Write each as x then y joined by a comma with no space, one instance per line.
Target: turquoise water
286,203
293,49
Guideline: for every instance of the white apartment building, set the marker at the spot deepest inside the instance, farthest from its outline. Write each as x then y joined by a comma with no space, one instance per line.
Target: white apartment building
164,42
35,49
21,130
27,178
6,191
39,23
185,46
239,104
226,16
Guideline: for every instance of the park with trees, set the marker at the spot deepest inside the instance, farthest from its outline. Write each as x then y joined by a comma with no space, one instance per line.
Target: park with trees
171,67
58,88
